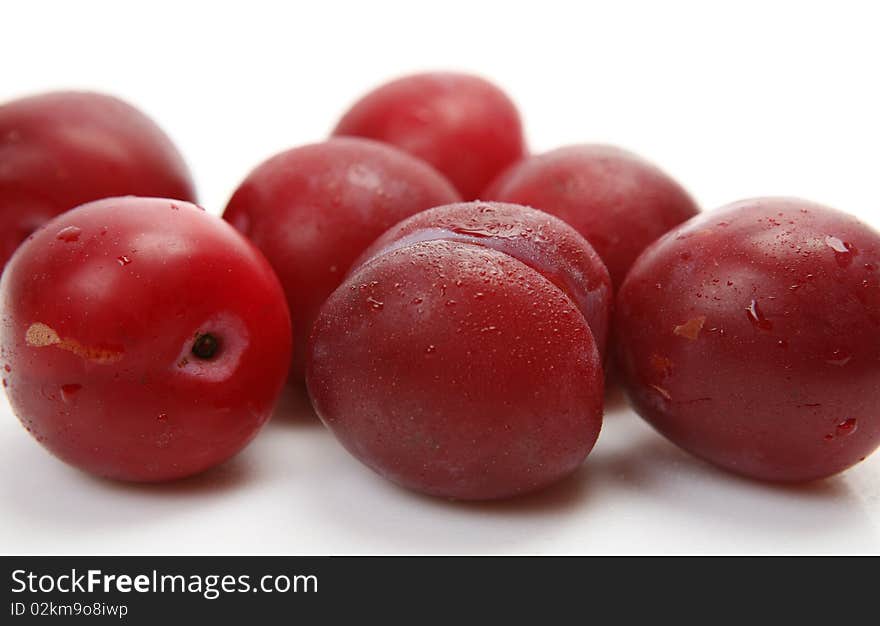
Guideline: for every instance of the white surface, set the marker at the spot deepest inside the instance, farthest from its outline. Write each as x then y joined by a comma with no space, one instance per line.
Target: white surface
755,98
294,490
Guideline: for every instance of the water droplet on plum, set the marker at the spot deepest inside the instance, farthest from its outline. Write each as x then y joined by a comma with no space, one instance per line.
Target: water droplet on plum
839,358
663,392
835,244
847,427
69,234
843,251
376,305
69,391
756,317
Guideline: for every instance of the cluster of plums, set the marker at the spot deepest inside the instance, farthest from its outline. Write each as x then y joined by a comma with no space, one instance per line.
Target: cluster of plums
450,302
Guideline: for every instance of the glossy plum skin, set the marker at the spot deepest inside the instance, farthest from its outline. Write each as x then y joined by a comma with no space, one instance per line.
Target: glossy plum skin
109,316
463,125
312,210
541,241
458,371
618,201
62,149
750,336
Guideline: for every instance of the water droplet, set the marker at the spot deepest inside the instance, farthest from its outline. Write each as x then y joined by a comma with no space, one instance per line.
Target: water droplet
847,427
68,391
756,317
69,234
843,251
451,303
835,244
416,301
376,305
782,343
828,437
163,417
431,349
839,358
123,260
662,391
479,295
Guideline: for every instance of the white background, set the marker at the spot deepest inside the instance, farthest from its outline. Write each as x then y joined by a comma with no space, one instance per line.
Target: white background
734,100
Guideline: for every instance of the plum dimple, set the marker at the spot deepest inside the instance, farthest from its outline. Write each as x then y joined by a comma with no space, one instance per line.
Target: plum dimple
787,349
541,241
476,378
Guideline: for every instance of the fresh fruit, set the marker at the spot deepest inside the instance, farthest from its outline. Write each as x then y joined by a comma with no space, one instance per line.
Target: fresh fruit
463,125
541,241
62,149
313,210
618,201
750,336
142,339
456,369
